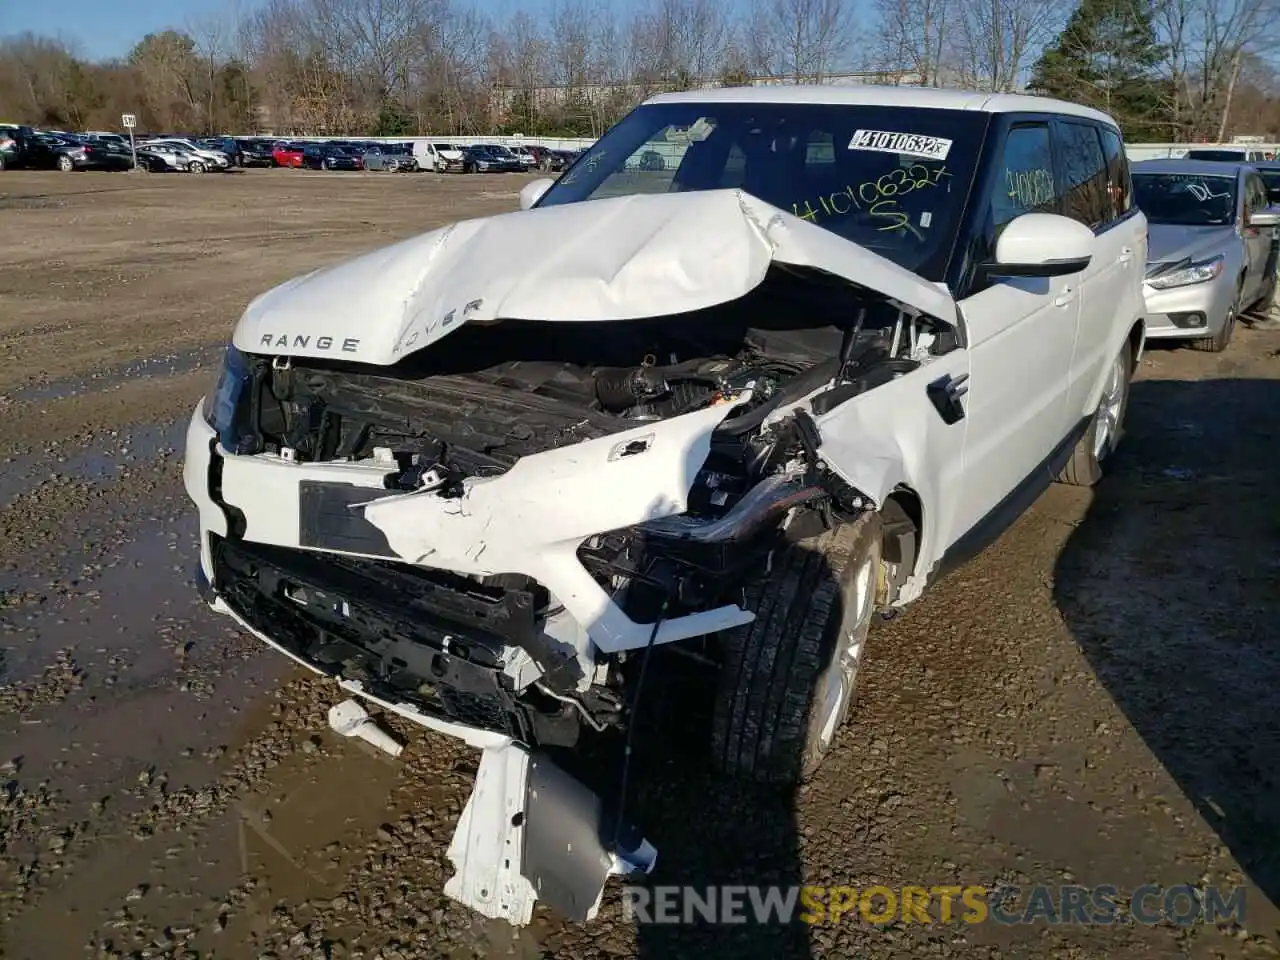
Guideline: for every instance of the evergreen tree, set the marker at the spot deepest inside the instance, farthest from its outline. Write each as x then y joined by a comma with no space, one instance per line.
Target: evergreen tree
393,120
1104,58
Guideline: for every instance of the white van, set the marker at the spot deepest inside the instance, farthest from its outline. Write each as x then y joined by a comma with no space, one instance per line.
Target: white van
438,157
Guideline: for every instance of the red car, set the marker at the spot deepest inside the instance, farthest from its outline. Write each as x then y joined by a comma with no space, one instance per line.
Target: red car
285,154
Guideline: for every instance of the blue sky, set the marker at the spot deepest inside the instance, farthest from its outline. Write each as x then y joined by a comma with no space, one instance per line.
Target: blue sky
99,29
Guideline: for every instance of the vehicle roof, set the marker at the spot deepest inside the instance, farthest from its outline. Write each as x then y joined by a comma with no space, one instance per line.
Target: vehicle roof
1222,149
1206,167
874,95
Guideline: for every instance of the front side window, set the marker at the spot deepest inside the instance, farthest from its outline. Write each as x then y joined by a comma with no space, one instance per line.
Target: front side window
1025,180
1186,199
894,180
1084,168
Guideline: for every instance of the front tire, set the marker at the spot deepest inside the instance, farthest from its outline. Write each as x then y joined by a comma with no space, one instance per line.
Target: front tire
788,678
1084,469
1219,341
195,166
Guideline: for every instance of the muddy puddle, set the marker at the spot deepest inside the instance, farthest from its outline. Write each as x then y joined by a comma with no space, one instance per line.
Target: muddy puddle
123,670
164,365
106,458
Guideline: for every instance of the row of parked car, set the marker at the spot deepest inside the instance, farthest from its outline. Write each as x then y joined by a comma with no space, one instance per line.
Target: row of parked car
25,147
409,156
22,146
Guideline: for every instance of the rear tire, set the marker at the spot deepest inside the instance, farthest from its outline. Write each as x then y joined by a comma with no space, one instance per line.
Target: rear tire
66,164
788,678
1106,427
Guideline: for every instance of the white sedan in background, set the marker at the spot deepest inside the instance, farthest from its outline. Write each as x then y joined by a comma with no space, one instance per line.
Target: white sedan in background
208,159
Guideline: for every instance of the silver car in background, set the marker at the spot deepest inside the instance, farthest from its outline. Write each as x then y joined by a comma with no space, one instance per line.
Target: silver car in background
389,158
1211,247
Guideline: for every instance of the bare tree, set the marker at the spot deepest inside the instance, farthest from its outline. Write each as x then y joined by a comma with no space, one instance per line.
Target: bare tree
997,39
913,38
1206,44
453,93
681,43
212,36
519,62
169,69
800,39
571,46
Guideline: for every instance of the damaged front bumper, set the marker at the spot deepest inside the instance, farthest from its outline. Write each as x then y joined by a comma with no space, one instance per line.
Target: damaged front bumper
530,520
447,658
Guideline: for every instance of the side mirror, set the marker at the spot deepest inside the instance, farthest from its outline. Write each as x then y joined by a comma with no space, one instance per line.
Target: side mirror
1269,217
1041,245
532,192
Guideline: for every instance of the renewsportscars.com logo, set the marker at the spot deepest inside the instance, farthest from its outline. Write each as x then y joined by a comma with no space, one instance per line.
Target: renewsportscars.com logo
1148,904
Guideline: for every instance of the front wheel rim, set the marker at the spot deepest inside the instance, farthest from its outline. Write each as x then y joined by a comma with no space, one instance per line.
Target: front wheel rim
835,689
1108,416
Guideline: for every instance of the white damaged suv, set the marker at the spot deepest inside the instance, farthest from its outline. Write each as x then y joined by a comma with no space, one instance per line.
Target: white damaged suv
760,363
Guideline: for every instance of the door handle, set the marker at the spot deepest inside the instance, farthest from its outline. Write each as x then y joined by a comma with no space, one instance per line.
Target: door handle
1064,298
1126,254
946,394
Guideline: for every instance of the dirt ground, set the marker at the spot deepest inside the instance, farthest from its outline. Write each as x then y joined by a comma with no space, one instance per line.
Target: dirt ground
1091,701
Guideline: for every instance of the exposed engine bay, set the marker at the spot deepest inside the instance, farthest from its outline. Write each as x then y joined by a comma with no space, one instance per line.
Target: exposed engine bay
483,651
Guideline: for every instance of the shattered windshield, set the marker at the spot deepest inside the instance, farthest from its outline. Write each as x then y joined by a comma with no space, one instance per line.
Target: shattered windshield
892,180
1186,199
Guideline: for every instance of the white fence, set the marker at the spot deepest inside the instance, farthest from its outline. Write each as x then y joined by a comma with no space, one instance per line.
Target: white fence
1166,151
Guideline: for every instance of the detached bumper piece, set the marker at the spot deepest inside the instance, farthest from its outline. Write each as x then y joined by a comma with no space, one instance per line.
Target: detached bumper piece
403,634
531,832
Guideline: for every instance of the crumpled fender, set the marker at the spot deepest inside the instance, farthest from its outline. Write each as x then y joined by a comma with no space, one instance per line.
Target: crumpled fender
892,437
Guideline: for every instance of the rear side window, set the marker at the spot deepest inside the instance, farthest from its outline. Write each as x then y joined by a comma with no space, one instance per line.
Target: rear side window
1255,193
1025,179
1271,180
1084,172
1119,182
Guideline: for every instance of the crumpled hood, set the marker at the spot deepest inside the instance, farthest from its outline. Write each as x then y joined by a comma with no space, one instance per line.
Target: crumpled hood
1170,243
616,259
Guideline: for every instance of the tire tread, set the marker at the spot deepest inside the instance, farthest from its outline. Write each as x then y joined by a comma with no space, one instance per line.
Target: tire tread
761,715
